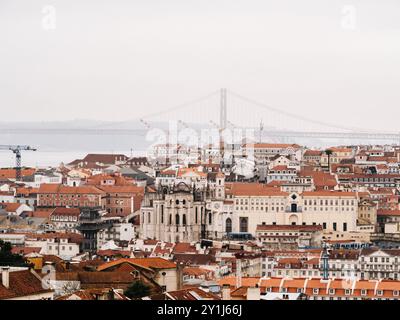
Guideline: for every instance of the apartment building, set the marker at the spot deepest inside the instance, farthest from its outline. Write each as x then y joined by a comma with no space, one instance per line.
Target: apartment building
57,195
65,219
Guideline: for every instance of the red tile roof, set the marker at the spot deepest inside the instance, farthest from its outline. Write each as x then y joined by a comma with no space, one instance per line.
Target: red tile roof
62,211
11,173
384,212
150,263
22,284
252,189
61,189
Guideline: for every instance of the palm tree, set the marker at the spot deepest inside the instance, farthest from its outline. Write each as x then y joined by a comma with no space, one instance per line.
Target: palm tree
329,152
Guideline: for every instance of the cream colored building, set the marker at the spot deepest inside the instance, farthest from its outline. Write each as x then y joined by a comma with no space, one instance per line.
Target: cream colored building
338,154
256,204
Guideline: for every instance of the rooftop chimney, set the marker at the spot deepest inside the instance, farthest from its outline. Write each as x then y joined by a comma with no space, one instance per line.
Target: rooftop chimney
226,292
5,277
253,293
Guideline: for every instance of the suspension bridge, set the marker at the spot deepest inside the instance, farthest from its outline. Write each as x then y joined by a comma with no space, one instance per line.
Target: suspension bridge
226,109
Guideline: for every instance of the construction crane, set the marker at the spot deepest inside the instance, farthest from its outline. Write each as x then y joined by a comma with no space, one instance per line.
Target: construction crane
16,149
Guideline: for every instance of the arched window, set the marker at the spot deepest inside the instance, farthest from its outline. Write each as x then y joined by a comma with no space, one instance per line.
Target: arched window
210,218
243,222
149,217
184,219
162,214
228,225
183,201
177,219
177,201
170,219
195,215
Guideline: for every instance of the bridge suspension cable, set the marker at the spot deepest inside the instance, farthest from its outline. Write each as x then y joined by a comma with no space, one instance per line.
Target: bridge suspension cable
293,115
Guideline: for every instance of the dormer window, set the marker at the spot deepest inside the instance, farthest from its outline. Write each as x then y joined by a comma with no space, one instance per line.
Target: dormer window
363,292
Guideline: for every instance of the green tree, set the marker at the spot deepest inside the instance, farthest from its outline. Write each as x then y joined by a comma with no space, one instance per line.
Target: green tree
329,152
7,258
137,290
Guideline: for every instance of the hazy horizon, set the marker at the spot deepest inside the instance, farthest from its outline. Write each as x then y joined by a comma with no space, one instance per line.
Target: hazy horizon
334,61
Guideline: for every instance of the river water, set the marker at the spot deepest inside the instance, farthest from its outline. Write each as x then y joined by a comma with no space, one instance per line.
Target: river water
52,150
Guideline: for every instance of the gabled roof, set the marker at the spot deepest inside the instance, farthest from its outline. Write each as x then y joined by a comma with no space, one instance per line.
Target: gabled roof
149,263
11,206
22,284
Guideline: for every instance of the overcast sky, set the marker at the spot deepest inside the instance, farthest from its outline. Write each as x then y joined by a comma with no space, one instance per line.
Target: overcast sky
118,60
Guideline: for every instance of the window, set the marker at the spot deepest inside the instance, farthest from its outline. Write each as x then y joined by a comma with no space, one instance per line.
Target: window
363,292
347,292
243,222
228,225
315,291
